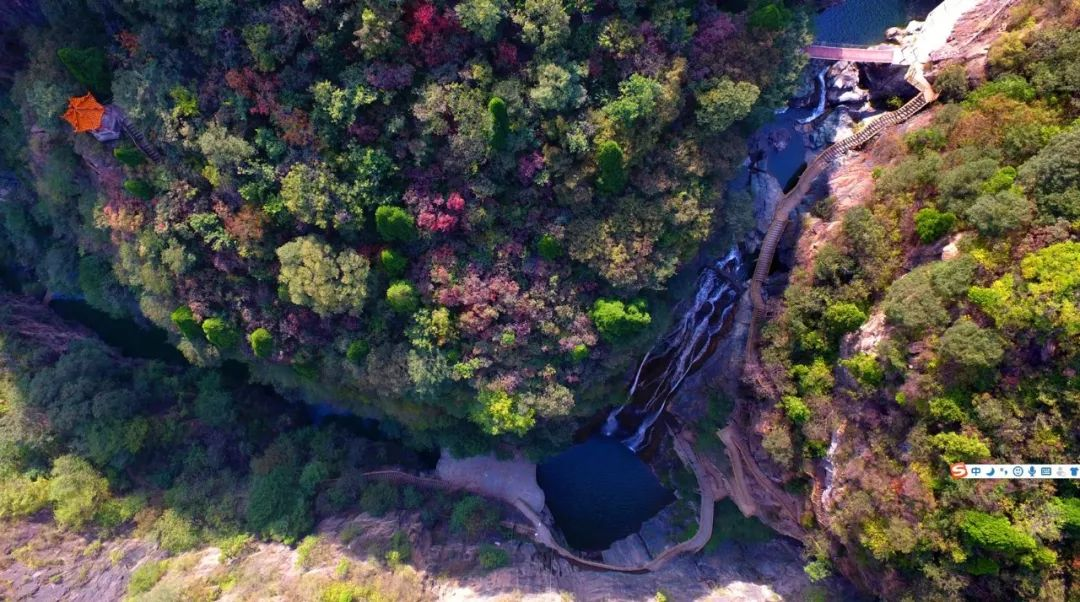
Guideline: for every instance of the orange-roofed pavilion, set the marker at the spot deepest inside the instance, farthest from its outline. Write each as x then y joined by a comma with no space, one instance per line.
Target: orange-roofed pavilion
84,113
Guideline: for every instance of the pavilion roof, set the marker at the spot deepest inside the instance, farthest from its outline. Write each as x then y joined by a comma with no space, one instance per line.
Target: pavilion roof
84,113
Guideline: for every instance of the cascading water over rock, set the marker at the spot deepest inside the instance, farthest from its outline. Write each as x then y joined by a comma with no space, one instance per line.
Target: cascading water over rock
819,110
680,352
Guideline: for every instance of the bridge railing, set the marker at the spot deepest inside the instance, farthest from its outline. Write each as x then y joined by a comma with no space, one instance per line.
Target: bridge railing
850,45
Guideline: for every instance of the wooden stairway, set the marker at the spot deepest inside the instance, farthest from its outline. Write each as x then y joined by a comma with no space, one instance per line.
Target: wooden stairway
792,199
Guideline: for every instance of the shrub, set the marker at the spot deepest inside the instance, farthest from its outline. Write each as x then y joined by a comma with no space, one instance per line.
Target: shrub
818,570
952,83
175,533
498,412
473,516
617,321
955,447
815,379
920,141
21,496
500,123
491,557
946,409
129,155
262,342
842,318
145,576
931,224
304,550
90,67
219,333
339,591
392,262
609,160
394,223
866,369
76,491
795,408
402,297
579,353
379,498
140,189
400,549
549,247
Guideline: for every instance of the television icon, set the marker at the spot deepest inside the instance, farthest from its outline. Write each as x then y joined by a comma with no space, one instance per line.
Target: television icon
1045,471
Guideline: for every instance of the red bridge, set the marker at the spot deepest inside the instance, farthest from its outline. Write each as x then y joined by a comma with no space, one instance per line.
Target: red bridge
855,55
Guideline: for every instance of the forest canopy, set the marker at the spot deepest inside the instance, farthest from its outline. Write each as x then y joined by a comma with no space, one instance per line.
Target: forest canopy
466,191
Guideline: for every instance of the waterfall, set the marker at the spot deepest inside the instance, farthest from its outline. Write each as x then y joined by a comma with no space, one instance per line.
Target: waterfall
680,352
830,468
820,108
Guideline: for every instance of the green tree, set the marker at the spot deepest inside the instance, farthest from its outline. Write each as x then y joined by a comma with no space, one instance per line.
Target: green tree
313,275
995,533
722,102
481,17
306,192
609,160
955,447
90,67
392,262
931,224
76,491
969,350
184,319
544,23
129,155
500,123
549,247
842,318
357,351
617,321
220,333
402,297
637,100
498,412
394,223
139,189
557,88
795,409
771,16
262,342
999,213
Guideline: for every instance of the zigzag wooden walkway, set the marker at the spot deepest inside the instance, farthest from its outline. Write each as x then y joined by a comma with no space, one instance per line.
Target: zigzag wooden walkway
792,199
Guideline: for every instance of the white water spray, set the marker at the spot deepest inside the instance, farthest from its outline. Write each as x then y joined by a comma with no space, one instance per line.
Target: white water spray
667,365
820,108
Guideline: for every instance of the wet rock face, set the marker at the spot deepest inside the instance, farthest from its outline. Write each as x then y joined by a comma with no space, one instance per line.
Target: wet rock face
766,192
844,84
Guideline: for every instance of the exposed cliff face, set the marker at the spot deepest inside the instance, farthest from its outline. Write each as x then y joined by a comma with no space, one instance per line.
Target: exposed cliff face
42,563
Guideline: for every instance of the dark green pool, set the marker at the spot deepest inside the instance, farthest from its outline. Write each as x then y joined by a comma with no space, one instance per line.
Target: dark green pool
600,491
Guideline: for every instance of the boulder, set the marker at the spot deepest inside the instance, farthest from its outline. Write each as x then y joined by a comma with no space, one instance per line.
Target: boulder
766,192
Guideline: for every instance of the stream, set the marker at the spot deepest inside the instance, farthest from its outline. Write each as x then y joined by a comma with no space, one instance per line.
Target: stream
600,491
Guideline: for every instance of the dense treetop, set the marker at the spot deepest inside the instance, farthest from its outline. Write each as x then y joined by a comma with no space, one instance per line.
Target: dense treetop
456,186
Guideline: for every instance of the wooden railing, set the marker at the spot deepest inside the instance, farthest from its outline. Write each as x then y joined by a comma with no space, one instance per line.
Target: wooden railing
792,199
